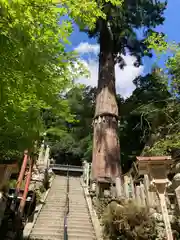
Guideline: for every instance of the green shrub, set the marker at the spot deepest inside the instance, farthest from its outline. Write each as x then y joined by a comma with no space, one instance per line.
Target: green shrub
128,221
175,225
38,196
13,183
42,189
100,205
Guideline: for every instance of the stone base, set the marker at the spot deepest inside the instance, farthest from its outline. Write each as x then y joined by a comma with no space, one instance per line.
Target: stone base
103,189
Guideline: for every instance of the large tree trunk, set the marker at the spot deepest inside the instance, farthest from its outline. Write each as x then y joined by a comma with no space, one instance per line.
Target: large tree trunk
106,149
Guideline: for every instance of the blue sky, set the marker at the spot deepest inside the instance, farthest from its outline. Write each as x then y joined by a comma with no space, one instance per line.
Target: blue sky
170,28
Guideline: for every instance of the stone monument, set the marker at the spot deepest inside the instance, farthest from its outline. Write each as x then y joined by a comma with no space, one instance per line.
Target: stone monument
157,169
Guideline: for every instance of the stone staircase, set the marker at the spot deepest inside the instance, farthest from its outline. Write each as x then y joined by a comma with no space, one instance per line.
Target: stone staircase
79,222
49,224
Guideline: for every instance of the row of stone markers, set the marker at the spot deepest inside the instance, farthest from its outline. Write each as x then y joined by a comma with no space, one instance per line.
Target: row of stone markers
129,189
138,190
43,159
148,184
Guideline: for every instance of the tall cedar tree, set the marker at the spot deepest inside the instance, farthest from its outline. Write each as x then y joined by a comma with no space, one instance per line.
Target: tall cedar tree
117,35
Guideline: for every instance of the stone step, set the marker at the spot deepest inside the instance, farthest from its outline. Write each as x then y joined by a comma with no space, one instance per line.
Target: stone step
79,222
48,232
50,224
57,196
45,237
77,205
52,213
56,199
51,227
53,210
81,218
49,220
82,236
78,225
76,195
78,231
76,222
47,215
79,213
42,225
54,204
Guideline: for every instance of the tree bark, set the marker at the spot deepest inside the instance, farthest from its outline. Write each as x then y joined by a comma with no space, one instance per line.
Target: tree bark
106,149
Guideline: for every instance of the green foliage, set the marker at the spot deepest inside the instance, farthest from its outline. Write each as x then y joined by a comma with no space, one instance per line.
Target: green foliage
149,115
173,65
144,116
167,131
87,15
72,141
121,25
35,70
117,35
13,183
100,204
128,221
39,194
175,225
157,42
149,122
157,114
162,114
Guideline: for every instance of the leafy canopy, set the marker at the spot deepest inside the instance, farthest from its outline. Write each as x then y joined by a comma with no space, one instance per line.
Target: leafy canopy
35,70
122,25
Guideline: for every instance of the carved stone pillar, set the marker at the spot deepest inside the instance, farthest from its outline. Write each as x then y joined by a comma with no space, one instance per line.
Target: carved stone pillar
177,191
142,194
40,160
126,186
93,187
46,157
138,194
84,171
176,183
132,187
149,195
119,191
87,174
161,189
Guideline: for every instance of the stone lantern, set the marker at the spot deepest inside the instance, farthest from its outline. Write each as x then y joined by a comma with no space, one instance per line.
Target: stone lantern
157,169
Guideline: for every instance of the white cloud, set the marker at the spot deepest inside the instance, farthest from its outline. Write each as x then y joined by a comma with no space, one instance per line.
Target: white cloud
124,78
85,47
